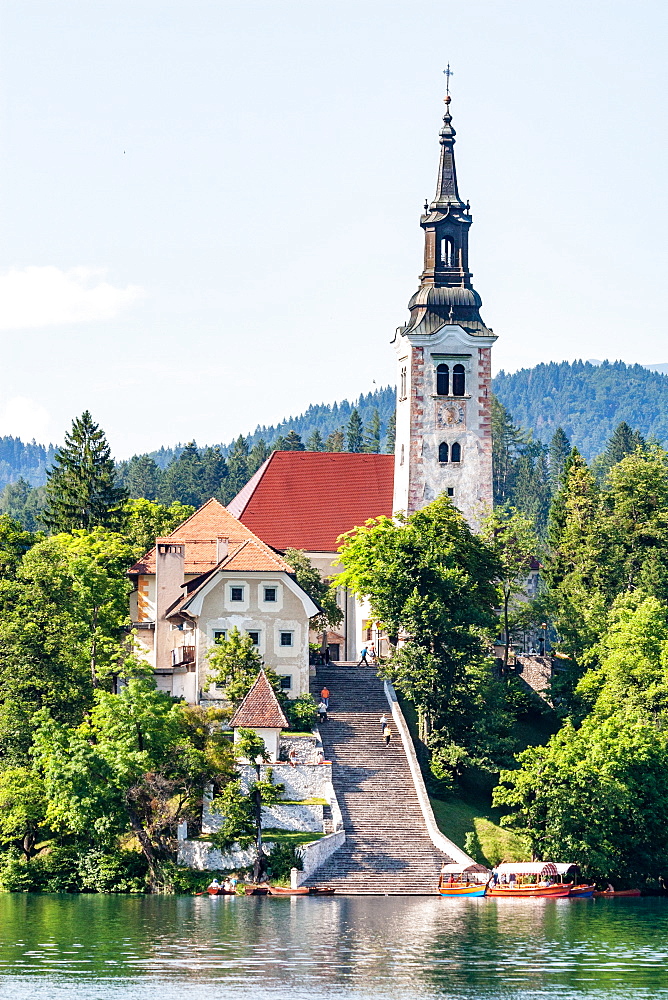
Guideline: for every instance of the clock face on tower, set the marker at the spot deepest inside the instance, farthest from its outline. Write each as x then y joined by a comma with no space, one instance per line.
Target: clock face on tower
449,415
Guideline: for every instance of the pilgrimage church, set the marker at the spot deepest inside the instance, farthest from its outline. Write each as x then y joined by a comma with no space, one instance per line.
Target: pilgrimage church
225,567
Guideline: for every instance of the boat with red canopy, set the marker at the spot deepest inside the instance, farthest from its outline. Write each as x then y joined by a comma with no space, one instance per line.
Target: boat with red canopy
527,880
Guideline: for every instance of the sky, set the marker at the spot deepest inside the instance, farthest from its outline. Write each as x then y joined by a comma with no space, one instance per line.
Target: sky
210,210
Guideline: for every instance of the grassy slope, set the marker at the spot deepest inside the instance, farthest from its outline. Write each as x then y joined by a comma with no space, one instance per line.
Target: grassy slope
470,809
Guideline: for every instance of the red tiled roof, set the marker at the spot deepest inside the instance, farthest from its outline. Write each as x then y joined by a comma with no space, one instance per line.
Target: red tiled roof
306,499
200,532
260,708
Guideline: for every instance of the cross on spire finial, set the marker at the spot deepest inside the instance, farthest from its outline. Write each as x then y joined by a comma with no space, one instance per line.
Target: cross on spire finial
448,73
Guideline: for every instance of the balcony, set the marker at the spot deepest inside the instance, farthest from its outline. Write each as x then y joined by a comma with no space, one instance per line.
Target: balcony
184,656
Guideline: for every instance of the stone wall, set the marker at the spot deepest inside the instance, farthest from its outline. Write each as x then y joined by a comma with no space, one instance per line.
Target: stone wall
314,856
536,671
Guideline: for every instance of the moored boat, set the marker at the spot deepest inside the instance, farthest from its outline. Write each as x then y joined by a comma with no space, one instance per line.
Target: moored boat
527,880
619,892
463,880
277,890
318,890
571,873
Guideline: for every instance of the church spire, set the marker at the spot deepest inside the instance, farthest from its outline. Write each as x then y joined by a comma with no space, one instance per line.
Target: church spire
446,187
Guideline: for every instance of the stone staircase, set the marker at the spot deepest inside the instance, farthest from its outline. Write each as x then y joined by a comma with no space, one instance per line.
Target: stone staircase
387,849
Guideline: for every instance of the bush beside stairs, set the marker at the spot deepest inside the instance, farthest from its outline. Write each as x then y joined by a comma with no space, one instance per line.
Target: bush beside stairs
388,849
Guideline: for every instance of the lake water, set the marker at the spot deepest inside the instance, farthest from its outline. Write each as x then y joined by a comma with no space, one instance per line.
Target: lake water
174,948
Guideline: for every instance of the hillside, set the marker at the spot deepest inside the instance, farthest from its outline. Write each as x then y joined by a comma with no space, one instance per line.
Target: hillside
588,401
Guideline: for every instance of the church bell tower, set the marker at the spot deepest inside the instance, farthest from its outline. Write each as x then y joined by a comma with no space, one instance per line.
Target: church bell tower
444,432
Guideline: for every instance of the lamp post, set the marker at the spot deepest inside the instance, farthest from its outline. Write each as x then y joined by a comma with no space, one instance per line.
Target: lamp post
544,628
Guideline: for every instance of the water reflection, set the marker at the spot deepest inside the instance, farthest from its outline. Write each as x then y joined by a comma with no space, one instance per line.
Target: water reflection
348,948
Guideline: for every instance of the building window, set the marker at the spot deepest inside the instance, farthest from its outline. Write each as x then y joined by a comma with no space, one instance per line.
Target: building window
269,595
458,380
254,637
451,491
448,251
402,384
236,593
443,452
286,682
219,635
286,638
443,380
456,452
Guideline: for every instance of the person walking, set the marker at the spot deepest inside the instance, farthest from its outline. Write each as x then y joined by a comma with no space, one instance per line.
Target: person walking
322,712
372,653
387,735
383,722
363,657
324,695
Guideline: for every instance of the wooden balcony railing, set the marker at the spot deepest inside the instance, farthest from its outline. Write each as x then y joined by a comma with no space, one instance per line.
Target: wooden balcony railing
184,654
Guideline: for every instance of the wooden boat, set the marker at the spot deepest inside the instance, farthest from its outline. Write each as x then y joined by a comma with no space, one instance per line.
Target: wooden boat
277,890
513,881
571,873
463,880
317,890
219,891
619,892
257,890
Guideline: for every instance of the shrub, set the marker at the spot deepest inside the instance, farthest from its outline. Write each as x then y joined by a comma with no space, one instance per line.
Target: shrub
113,871
302,712
284,857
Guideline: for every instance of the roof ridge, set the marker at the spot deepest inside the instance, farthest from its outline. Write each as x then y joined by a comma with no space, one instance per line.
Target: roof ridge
267,713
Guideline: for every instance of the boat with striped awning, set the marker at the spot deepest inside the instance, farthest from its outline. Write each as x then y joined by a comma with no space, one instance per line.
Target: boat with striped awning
526,880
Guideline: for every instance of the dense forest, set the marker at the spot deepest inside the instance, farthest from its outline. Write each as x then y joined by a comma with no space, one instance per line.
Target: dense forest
587,401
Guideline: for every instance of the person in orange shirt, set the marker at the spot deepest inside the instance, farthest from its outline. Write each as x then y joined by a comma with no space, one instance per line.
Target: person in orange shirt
324,694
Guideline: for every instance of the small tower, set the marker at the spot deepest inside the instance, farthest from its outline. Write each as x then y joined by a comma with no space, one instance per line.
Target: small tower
444,433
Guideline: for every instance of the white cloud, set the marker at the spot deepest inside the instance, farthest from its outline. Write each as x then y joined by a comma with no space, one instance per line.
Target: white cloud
48,296
24,418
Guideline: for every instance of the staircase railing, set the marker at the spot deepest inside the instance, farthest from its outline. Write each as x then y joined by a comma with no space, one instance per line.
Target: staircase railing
438,839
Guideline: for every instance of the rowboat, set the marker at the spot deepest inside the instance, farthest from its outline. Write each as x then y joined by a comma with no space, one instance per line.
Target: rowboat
463,880
316,890
512,882
581,892
277,890
219,891
619,892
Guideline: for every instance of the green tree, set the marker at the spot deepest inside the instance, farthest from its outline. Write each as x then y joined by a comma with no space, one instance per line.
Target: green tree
142,477
391,433
234,664
214,474
144,521
22,808
238,469
182,479
512,538
372,434
355,432
291,442
14,543
335,441
259,454
23,503
81,489
315,441
242,822
560,449
507,444
428,578
599,794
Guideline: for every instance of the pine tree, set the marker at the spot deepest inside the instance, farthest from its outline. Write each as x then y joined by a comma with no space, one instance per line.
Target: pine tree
355,432
213,475
623,442
293,442
372,434
335,441
182,479
391,438
315,442
560,449
259,454
238,471
507,442
82,489
142,478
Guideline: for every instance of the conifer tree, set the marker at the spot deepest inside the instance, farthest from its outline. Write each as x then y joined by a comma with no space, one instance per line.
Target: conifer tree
82,490
142,478
293,442
624,441
335,441
560,449
315,441
507,441
182,479
372,434
238,472
259,454
391,438
355,432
